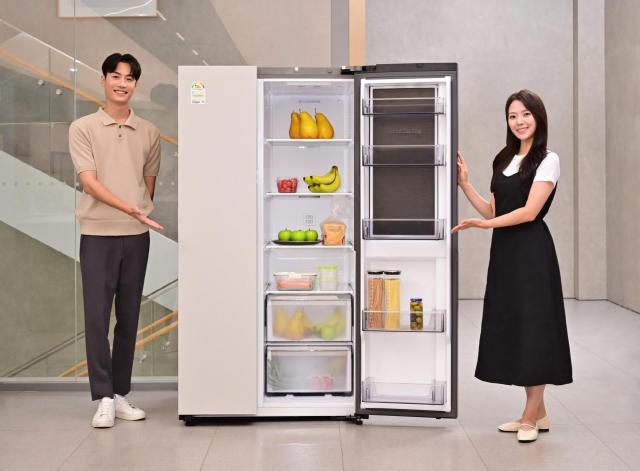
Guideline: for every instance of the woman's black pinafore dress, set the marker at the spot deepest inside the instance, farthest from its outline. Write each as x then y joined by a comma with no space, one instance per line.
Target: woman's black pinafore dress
523,339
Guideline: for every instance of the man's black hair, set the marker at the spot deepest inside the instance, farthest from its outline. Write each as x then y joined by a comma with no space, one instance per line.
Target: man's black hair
110,64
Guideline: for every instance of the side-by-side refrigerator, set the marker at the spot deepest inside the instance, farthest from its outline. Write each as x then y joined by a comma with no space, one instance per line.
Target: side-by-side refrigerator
317,269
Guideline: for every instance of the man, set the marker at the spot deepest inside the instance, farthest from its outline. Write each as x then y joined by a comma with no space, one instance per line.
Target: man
117,157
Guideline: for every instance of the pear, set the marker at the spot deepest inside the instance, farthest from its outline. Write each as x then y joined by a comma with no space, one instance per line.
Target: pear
296,328
281,323
294,127
325,129
308,126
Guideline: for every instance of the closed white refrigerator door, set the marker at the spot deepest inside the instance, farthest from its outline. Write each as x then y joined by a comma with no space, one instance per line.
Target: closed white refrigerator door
218,244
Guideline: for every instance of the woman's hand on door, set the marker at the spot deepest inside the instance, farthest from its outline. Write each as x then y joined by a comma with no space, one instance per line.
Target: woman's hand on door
463,171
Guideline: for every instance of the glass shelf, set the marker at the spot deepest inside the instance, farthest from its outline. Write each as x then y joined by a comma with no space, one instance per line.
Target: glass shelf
307,195
400,321
343,288
403,156
403,106
404,393
273,246
403,229
308,142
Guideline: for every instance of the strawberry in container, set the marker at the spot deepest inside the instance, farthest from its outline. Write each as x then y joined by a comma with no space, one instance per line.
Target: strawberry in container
287,185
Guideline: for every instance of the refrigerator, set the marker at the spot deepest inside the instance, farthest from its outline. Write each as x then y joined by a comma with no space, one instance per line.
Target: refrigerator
357,315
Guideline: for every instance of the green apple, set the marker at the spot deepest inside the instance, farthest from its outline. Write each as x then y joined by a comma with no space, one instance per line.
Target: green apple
311,235
328,332
284,234
298,236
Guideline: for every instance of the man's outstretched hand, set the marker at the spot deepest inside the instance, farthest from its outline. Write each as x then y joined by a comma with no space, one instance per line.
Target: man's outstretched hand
140,216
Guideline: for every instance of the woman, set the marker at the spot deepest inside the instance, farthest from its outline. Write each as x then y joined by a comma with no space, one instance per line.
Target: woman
523,339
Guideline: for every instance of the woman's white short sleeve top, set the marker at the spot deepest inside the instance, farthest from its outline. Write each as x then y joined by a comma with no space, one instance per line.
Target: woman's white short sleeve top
548,170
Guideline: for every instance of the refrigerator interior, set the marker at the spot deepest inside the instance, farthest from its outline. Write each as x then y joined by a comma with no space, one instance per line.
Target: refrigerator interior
305,371
404,203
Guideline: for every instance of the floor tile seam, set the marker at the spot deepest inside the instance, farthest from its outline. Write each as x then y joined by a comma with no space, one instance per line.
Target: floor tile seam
73,452
471,320
617,368
622,460
555,398
486,466
623,307
475,326
204,458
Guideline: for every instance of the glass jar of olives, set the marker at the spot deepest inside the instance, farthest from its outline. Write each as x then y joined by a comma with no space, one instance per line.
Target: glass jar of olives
416,314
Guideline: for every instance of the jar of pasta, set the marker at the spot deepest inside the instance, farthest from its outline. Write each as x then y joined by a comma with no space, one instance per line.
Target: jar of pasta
375,300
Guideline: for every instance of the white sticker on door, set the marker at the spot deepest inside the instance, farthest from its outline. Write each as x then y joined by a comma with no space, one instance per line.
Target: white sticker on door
198,94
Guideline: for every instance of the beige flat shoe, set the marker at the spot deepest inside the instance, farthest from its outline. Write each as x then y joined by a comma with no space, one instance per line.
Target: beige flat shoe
544,424
527,433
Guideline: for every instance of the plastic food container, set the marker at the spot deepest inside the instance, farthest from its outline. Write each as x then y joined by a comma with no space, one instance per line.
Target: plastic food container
392,299
287,185
295,281
328,278
375,299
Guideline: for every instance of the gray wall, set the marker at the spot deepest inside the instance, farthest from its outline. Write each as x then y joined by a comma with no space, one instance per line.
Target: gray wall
622,53
590,150
501,46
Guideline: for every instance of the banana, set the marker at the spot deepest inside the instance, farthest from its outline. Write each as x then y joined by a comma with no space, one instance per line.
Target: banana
308,180
313,188
327,178
330,187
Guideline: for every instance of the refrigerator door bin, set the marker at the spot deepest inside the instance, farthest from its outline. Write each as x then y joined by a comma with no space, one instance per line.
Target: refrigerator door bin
404,393
404,103
418,155
433,321
403,229
309,319
310,370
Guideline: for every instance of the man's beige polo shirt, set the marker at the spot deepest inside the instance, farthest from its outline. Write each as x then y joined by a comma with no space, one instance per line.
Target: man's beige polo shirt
121,155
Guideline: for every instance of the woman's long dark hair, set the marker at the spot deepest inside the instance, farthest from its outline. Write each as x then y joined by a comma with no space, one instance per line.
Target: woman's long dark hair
538,151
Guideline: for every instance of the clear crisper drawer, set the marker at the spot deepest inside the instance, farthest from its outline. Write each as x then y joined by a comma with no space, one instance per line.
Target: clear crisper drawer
404,393
309,319
308,370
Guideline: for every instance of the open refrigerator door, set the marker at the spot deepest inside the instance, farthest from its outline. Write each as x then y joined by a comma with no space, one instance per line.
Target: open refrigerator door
406,255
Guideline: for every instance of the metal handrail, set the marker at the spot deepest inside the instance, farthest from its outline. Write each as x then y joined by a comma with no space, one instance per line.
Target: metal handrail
140,343
58,81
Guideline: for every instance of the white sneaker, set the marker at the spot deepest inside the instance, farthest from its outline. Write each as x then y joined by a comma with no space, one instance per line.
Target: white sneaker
127,411
105,415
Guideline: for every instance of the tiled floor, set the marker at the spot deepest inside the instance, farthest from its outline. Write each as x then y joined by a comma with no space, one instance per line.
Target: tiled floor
595,422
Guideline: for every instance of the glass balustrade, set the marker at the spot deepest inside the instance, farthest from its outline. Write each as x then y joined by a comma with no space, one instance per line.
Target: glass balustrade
42,90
